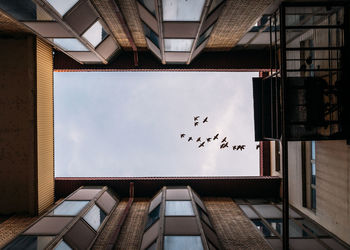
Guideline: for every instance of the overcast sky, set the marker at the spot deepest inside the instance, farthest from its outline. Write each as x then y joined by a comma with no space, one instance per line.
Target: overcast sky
129,124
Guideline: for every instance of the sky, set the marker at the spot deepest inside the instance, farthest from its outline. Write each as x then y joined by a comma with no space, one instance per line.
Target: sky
118,124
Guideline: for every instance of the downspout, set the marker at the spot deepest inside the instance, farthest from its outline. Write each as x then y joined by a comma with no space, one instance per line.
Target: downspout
122,219
127,32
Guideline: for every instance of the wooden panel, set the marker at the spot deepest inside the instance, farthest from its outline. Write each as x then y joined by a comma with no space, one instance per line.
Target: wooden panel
45,133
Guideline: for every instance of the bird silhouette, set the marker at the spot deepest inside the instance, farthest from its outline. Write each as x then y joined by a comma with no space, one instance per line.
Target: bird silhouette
257,146
239,147
183,135
196,124
234,147
198,140
216,137
190,139
196,118
243,147
202,144
226,145
205,120
208,139
222,145
223,140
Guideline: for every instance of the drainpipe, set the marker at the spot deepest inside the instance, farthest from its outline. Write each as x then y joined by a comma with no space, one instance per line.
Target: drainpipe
122,219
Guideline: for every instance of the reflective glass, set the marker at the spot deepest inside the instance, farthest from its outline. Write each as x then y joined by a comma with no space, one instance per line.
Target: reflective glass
95,217
313,228
182,242
203,215
95,34
205,35
150,5
184,45
24,10
295,231
149,33
214,4
70,44
268,211
249,212
69,208
29,242
313,150
62,6
262,228
178,208
292,213
182,10
153,216
62,246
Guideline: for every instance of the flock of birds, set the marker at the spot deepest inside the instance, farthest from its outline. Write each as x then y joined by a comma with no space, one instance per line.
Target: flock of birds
224,143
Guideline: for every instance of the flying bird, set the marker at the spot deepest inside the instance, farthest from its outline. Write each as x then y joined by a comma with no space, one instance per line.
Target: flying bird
208,139
243,146
224,140
202,144
205,120
222,145
196,118
239,147
216,137
198,140
234,147
183,135
196,124
226,145
190,139
257,146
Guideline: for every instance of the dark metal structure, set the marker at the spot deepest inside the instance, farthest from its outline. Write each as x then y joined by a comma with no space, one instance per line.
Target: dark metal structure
304,96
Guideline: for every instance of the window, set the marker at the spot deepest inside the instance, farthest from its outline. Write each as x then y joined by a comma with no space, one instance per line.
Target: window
69,44
262,228
62,7
149,5
95,34
182,10
62,246
70,208
309,174
95,217
151,35
25,10
183,242
153,216
178,45
29,242
178,208
277,156
203,215
204,35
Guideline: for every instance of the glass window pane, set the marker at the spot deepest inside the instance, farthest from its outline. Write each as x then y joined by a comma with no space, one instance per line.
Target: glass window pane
294,229
182,10
292,213
184,45
29,242
313,150
313,198
182,242
205,35
95,34
151,35
62,246
69,208
150,5
249,212
95,217
178,208
62,6
268,211
262,228
153,246
313,228
24,10
153,216
70,44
